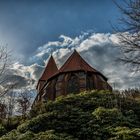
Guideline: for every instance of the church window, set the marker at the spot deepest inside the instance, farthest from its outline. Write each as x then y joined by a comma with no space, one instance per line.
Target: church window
82,74
89,82
82,79
60,78
59,85
73,84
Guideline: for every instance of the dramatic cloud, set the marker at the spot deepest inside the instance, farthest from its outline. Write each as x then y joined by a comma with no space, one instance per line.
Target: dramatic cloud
39,21
98,49
32,71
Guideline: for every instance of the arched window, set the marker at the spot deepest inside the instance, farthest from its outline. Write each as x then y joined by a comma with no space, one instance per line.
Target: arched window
73,84
82,81
59,86
89,82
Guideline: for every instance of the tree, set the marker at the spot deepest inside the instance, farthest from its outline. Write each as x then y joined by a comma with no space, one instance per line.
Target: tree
11,97
129,33
24,101
5,62
2,110
6,86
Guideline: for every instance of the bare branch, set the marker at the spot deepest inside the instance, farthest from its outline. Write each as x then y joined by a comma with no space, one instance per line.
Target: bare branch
130,41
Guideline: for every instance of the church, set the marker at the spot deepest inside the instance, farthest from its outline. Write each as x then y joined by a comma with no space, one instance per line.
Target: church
75,76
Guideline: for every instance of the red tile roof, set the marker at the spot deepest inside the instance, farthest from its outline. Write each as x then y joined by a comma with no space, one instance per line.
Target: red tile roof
76,63
50,70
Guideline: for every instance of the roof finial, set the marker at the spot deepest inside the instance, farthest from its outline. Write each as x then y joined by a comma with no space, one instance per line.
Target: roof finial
51,54
75,50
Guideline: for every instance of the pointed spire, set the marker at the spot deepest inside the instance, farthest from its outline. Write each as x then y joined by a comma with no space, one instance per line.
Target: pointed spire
76,62
50,69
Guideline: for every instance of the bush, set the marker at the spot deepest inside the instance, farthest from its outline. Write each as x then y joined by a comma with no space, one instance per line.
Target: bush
51,135
95,115
10,136
2,130
125,133
108,116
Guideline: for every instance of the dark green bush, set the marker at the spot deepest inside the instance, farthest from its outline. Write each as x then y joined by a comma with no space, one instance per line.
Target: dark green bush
2,130
125,133
95,115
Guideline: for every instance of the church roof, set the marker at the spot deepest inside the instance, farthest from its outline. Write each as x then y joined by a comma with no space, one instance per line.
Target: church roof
76,63
49,71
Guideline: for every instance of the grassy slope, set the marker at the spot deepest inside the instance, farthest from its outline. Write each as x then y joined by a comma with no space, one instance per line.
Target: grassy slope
95,115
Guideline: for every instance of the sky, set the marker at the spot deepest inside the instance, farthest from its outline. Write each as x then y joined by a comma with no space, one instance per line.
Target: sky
34,29
25,25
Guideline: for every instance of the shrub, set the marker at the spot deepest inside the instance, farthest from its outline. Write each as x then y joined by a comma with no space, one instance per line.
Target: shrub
125,133
106,115
95,115
2,130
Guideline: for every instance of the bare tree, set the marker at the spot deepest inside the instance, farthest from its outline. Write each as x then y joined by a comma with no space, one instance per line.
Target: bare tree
129,32
24,101
5,62
7,95
3,110
11,103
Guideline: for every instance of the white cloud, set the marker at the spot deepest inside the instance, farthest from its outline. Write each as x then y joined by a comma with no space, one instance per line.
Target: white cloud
98,49
30,72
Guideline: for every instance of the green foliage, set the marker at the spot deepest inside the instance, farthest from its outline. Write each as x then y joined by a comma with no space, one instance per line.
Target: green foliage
125,133
2,130
10,136
47,135
95,115
51,135
105,115
11,123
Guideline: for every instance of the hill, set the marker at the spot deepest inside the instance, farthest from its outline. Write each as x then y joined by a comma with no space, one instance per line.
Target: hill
94,115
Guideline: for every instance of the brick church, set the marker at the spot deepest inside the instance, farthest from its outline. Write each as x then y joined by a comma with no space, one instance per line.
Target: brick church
74,76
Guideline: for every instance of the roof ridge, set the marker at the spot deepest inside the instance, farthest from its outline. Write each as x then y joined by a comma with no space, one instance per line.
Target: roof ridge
79,60
50,69
69,58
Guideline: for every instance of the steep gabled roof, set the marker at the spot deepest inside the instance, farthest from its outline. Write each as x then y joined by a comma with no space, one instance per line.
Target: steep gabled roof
76,63
50,70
